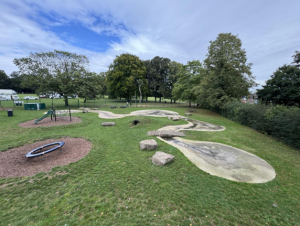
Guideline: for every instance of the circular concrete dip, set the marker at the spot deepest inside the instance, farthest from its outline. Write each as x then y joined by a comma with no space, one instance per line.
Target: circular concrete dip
225,161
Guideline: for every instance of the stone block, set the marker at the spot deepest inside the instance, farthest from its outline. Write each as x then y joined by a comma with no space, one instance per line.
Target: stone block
148,144
160,158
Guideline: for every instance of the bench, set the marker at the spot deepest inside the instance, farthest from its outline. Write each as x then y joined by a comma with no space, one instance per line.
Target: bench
123,106
113,106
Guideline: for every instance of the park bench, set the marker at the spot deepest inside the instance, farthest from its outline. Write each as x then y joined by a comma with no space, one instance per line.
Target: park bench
113,106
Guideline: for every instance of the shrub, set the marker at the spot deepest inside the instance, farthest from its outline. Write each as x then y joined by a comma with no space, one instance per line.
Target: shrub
281,122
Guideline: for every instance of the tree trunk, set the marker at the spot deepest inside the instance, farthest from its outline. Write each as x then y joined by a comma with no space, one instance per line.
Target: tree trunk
66,101
155,99
159,99
189,102
140,94
84,100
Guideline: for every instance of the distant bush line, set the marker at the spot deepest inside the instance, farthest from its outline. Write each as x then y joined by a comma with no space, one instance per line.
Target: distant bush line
280,122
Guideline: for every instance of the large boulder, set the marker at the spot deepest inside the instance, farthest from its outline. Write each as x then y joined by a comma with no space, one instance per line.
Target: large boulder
176,118
160,158
148,144
188,114
166,133
108,124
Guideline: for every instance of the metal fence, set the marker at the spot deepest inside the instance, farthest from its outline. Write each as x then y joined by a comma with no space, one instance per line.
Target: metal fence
94,103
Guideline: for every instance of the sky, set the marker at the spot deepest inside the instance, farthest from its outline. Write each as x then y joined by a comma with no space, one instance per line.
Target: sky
176,29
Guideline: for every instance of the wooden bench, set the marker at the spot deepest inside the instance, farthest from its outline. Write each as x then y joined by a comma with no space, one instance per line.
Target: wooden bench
113,106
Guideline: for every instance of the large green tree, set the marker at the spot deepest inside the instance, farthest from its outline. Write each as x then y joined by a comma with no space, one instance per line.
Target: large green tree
89,85
283,87
4,80
189,76
228,74
52,72
123,76
158,70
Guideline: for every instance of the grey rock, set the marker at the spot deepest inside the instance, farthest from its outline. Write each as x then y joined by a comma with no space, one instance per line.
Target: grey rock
188,114
108,124
160,158
176,118
166,133
148,144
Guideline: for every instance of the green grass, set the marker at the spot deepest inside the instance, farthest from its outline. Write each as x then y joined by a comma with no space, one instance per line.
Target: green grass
116,183
96,103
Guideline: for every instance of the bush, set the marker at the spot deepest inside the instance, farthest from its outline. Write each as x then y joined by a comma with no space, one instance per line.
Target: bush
281,122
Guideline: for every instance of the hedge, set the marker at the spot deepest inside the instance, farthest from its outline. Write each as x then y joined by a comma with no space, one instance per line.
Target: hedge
280,122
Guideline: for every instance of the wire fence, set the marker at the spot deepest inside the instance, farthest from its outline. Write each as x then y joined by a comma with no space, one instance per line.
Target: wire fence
94,103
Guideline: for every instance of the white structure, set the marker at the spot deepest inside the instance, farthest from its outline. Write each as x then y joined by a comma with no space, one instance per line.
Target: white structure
7,91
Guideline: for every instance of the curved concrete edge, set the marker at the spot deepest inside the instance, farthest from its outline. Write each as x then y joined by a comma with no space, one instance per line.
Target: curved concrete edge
262,173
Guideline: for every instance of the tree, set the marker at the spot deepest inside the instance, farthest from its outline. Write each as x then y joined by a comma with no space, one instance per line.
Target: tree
89,85
4,80
189,76
283,88
52,72
172,78
157,75
123,76
228,74
297,59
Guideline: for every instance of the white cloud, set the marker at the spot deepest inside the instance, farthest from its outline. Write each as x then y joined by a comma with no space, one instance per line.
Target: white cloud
179,30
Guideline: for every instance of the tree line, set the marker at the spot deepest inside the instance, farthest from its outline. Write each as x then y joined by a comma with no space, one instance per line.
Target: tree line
223,76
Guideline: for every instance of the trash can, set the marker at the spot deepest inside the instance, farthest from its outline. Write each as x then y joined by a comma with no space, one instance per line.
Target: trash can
9,113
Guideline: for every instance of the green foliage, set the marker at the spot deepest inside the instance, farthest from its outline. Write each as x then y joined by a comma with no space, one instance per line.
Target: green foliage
189,77
228,74
123,75
52,71
296,57
283,87
278,121
89,85
4,80
161,76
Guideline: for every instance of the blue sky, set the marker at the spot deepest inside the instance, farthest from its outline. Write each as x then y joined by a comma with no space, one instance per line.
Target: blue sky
179,30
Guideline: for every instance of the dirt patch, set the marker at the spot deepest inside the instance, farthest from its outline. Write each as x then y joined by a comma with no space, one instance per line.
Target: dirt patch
13,162
48,122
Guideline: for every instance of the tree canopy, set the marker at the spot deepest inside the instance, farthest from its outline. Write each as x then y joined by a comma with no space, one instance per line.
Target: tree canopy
52,72
296,57
228,75
189,76
4,80
123,76
158,70
283,87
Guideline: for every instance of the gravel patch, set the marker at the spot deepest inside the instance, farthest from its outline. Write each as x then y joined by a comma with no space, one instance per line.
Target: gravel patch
13,162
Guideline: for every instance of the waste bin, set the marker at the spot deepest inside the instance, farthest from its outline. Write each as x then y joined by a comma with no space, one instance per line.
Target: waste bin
9,113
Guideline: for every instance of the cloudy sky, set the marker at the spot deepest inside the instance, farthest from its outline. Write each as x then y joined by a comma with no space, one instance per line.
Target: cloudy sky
176,29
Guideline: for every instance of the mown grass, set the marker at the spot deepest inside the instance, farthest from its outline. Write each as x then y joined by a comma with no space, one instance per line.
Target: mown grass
96,103
116,183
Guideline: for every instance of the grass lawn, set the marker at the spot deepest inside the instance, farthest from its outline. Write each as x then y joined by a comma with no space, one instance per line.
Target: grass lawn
96,103
116,183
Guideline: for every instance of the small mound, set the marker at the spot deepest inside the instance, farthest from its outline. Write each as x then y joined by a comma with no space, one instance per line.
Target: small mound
13,162
48,122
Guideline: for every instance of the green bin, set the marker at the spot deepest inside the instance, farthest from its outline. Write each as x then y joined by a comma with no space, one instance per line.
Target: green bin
34,106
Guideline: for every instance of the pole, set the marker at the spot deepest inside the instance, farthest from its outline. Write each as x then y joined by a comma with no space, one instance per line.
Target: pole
135,98
70,114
